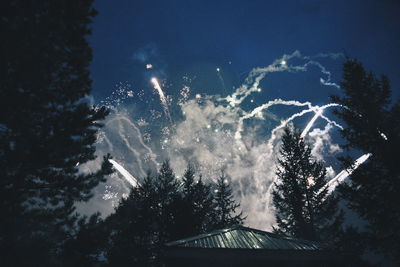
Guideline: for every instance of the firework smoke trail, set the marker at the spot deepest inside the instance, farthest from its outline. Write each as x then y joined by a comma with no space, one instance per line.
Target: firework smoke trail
132,180
128,145
139,135
318,113
256,75
162,97
257,112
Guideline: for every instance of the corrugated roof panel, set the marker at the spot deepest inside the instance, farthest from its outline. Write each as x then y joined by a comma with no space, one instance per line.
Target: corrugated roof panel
243,235
245,238
257,242
252,240
221,241
207,243
214,242
267,241
239,241
232,240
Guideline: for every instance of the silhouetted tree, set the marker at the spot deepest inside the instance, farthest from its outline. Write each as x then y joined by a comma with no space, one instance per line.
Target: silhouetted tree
86,246
304,208
133,226
225,205
47,127
146,220
197,205
372,125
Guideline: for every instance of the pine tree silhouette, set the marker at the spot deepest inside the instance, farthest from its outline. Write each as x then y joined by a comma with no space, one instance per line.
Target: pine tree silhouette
372,125
197,205
47,127
300,196
225,206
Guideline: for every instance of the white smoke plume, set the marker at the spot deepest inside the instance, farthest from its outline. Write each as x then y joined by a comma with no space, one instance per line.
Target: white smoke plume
218,133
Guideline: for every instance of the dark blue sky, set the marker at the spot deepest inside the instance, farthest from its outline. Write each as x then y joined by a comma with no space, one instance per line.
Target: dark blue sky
196,36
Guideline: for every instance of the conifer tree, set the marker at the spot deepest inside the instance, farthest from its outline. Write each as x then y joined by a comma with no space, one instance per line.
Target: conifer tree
147,219
372,125
47,127
197,203
304,209
132,227
225,206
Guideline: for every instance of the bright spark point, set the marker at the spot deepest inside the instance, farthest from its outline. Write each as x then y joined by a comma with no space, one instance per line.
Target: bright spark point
149,66
283,62
208,126
259,90
218,69
198,96
310,181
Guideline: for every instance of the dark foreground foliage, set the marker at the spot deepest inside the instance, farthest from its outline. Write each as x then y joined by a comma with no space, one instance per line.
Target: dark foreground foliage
47,127
372,121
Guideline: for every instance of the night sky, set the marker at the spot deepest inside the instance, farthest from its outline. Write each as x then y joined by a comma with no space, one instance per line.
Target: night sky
189,34
201,53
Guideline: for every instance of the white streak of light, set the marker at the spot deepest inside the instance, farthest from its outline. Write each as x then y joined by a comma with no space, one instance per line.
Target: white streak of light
162,97
311,122
132,180
338,179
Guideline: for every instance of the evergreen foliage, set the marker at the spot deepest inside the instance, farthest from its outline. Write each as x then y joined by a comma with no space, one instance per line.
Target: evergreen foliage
304,209
225,206
372,125
47,127
164,209
197,210
85,247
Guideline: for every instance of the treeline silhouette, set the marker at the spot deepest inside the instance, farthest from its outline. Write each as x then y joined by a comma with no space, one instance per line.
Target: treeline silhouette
162,208
48,129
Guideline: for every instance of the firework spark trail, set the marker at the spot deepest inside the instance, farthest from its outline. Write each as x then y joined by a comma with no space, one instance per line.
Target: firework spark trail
318,113
132,180
221,79
344,174
162,97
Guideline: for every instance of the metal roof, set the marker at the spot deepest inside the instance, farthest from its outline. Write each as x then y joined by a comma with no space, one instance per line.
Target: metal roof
240,237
